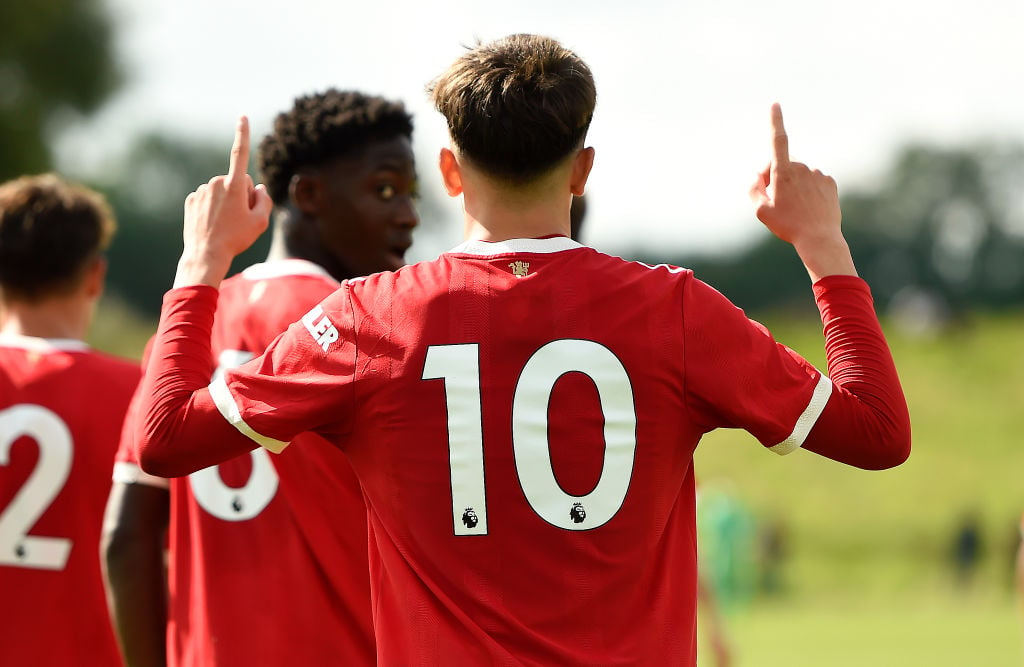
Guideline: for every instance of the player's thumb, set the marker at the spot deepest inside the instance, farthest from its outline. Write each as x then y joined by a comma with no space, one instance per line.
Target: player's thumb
261,204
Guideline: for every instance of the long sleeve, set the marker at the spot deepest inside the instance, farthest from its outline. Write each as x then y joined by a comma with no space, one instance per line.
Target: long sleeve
180,429
866,422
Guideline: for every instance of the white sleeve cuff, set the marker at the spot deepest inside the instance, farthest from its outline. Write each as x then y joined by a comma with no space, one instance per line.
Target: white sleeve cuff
808,419
131,473
229,410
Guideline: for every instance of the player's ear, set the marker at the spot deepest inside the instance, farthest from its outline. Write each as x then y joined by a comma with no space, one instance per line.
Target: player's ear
581,166
451,172
95,277
304,192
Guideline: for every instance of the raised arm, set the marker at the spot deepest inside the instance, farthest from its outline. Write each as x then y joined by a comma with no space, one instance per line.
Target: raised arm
181,430
865,422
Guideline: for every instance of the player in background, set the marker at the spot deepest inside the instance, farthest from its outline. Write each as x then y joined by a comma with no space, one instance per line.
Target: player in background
61,408
522,411
251,535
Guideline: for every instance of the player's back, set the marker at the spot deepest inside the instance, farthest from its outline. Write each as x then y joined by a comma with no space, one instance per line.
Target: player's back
61,411
522,418
229,597
533,496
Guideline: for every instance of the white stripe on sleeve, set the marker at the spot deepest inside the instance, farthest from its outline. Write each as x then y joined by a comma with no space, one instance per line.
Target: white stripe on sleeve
807,420
131,473
229,410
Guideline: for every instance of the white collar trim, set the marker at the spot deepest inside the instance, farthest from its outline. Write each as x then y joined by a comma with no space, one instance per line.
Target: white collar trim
36,344
516,246
284,267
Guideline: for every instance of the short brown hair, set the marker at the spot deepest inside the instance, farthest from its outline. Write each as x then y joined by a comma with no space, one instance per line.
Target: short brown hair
517,106
50,231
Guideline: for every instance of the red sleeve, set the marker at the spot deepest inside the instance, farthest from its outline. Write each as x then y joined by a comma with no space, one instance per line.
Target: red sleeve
865,422
179,429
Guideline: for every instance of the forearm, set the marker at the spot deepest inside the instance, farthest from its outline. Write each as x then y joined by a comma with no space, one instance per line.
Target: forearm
133,571
865,422
825,256
181,430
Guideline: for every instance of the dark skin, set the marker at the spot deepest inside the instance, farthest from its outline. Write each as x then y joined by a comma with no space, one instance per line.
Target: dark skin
352,215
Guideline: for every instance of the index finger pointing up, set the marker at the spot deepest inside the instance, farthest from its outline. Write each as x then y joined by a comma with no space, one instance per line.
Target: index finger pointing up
239,163
780,140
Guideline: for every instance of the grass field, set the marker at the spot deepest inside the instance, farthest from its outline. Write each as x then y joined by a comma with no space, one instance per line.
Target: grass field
922,631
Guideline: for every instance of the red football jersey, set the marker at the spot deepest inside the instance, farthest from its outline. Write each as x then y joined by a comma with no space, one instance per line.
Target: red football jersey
522,418
61,409
268,555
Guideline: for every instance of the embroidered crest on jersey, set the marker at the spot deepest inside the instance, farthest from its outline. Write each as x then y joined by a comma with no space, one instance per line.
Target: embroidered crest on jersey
520,269
320,327
469,518
577,513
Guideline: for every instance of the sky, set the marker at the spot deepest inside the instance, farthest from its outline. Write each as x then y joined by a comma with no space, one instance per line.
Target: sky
684,88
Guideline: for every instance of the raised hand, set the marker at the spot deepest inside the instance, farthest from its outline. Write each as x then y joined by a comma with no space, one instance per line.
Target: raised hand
801,207
222,218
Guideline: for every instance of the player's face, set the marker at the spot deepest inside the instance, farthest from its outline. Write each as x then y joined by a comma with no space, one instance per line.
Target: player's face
368,213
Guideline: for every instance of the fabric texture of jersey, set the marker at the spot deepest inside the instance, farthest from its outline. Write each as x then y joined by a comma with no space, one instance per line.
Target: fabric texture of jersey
522,417
268,554
61,409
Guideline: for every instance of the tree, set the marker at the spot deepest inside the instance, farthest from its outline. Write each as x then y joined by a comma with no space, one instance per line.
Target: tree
945,225
56,61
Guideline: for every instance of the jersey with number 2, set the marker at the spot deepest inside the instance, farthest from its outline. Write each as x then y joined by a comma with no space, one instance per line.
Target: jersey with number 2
61,409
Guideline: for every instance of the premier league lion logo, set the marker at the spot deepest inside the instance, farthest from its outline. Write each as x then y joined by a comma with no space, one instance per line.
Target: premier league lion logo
469,518
577,513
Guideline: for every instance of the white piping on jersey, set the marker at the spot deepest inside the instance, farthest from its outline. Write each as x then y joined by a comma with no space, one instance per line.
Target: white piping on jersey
516,246
806,421
36,344
284,267
131,473
667,267
228,409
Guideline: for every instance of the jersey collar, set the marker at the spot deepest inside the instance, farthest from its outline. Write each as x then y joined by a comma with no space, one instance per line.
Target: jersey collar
284,267
516,246
36,344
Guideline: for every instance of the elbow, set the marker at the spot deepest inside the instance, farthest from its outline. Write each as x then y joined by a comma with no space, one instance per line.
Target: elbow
159,465
894,454
893,448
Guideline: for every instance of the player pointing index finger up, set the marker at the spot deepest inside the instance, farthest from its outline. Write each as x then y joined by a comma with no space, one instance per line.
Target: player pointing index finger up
223,218
801,207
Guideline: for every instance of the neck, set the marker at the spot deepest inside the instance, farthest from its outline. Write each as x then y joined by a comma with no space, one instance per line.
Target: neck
495,214
56,317
278,242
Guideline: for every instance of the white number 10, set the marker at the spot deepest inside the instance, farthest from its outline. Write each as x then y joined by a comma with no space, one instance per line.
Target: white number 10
458,366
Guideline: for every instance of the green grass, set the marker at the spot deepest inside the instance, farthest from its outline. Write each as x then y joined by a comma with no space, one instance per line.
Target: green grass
930,631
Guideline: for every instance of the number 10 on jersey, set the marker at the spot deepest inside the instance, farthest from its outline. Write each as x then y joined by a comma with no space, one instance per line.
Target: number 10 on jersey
459,367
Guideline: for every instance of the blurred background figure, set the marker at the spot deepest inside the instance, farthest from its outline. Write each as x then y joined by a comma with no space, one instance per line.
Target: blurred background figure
61,408
966,549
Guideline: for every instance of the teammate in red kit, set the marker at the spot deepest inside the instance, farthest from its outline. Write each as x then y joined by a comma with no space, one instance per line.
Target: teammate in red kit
522,411
254,534
61,408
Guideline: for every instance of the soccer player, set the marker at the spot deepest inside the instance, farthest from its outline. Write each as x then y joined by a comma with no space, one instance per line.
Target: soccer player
61,408
522,411
255,533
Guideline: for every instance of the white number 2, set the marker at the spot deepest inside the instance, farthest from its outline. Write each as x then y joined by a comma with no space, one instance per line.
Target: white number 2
458,366
53,438
230,503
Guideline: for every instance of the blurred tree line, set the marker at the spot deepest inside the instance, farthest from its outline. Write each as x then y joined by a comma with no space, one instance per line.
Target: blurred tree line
941,232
